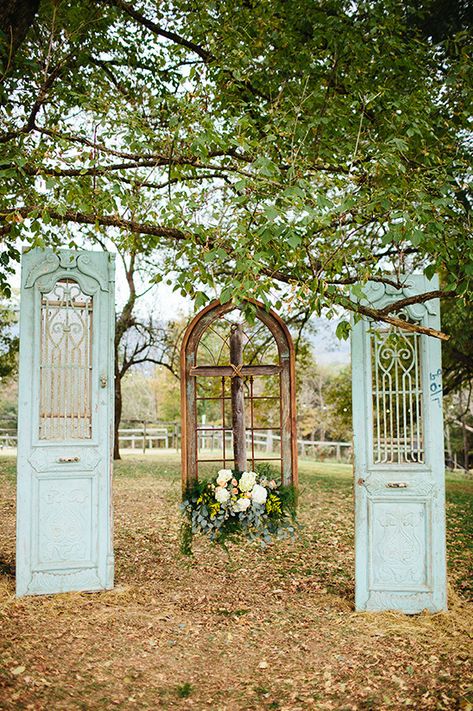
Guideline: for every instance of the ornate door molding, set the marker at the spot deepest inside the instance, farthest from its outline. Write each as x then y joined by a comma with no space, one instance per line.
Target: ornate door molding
399,457
65,422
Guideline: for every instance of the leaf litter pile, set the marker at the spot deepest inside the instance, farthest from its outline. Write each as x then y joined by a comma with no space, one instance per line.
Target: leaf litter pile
259,629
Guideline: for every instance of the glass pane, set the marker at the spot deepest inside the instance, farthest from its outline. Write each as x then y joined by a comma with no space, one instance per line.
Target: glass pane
65,363
266,413
266,386
211,449
209,412
265,443
258,344
397,397
212,387
214,346
275,466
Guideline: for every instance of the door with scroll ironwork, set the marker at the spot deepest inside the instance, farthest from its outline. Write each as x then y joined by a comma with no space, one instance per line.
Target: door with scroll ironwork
399,456
65,422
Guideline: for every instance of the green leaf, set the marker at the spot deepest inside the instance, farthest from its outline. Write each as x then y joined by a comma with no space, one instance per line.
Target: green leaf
343,330
226,295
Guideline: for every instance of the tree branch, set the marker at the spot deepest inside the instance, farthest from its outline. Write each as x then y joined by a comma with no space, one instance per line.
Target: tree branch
105,220
417,299
160,31
231,153
180,235
392,320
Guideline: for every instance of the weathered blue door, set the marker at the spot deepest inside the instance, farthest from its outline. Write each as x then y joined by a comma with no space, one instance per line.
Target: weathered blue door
65,422
399,457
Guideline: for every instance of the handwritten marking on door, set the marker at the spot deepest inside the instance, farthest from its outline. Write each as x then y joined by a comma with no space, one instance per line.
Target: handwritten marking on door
436,387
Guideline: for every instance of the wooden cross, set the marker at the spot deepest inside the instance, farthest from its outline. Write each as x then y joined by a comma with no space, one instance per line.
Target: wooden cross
237,372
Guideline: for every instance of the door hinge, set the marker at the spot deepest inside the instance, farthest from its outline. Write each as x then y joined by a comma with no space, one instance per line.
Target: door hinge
103,381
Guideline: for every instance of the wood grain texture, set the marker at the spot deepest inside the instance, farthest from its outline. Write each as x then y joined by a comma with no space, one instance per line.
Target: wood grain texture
238,398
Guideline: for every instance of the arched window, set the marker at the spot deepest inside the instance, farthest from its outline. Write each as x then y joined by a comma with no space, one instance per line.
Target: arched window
237,393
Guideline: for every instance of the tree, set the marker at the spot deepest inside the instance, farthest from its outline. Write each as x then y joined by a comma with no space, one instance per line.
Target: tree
296,146
458,380
9,341
139,340
457,356
338,395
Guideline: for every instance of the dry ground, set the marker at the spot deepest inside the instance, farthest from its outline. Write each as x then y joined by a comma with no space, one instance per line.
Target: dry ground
268,629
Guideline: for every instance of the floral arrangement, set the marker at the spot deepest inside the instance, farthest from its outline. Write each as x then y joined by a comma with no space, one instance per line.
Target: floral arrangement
249,504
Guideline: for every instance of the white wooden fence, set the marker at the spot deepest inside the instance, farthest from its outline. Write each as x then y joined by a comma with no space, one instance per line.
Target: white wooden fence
8,438
167,436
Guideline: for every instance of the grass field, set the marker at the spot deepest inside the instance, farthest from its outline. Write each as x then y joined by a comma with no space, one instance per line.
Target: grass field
272,629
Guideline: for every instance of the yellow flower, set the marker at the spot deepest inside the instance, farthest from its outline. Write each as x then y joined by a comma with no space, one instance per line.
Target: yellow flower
214,509
273,504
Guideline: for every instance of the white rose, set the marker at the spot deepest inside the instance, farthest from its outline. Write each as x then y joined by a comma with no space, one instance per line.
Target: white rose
241,505
247,481
259,494
222,494
223,476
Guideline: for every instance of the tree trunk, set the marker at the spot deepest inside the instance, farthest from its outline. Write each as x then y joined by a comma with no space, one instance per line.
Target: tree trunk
448,442
466,449
16,18
118,410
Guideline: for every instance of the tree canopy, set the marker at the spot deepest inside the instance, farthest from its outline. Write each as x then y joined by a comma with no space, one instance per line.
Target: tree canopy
271,149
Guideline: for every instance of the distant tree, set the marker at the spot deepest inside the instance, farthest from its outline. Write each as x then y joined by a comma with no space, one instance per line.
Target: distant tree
9,341
139,339
338,395
9,403
167,394
312,413
457,352
138,397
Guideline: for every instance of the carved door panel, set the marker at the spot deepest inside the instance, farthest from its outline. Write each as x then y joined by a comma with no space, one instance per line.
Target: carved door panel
65,422
399,457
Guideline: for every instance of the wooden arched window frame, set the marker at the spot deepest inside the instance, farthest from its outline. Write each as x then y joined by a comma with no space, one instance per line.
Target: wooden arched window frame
190,371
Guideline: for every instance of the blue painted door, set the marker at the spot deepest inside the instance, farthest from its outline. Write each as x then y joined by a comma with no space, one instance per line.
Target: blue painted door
65,422
399,457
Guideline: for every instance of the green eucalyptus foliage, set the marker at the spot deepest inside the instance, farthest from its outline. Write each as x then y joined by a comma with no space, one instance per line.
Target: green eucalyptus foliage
300,143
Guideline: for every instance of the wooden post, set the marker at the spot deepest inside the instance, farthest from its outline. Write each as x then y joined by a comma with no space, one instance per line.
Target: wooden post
238,399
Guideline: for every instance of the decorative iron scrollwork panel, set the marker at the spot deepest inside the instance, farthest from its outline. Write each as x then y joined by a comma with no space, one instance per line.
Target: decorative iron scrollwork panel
397,397
66,363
